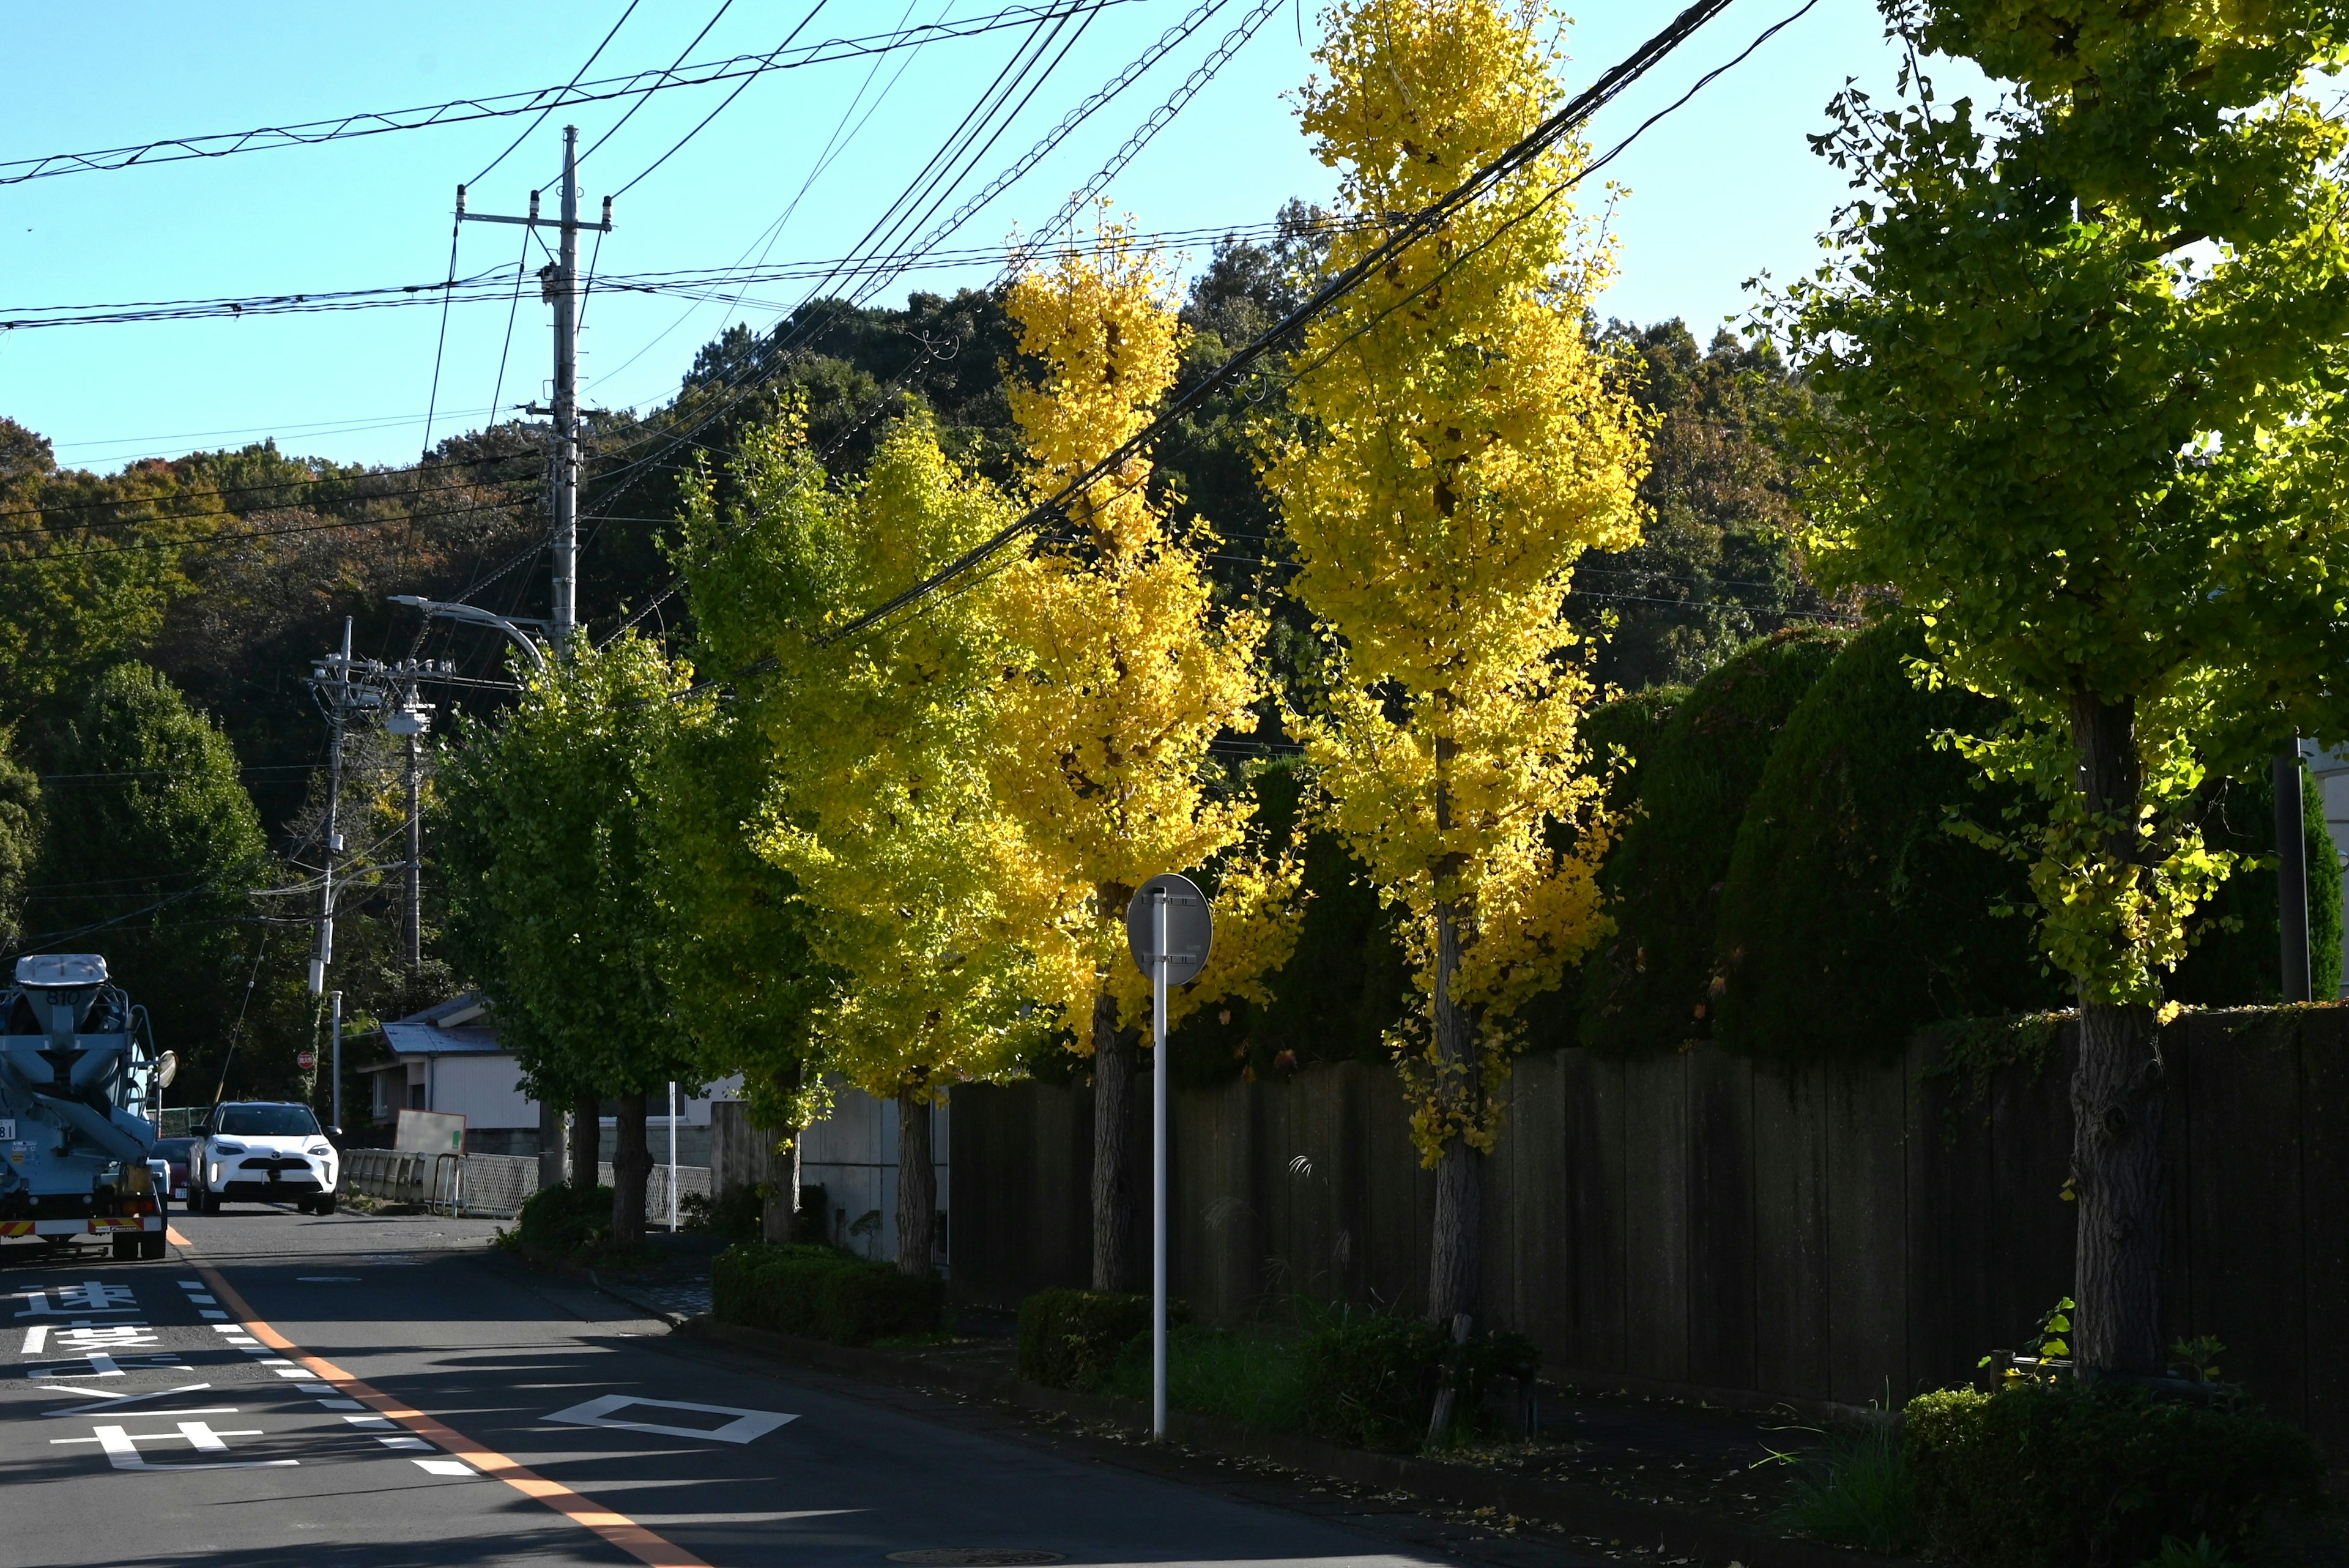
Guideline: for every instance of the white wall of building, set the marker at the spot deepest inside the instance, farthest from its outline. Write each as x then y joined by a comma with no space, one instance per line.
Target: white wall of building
2331,769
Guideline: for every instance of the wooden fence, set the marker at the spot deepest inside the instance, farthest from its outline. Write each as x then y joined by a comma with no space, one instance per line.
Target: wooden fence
1695,1223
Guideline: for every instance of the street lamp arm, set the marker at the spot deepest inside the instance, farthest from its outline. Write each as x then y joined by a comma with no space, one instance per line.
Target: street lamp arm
476,616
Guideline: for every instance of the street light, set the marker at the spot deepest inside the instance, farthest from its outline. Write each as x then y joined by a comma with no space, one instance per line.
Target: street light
476,616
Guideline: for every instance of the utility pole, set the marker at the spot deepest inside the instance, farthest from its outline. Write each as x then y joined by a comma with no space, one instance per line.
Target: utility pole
414,721
559,286
343,688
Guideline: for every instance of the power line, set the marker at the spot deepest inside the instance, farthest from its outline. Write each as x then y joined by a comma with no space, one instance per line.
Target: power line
540,100
526,130
1406,231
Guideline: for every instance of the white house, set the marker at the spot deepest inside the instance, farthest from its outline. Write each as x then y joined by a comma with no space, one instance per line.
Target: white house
448,1058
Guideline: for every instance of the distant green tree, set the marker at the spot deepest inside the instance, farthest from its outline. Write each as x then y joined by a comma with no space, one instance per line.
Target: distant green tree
734,950
2237,959
1715,565
150,852
87,568
20,825
547,842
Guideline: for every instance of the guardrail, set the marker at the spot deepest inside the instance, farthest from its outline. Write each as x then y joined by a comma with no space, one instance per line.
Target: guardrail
395,1176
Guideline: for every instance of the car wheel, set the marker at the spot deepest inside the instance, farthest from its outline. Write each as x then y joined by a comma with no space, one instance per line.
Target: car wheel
325,1205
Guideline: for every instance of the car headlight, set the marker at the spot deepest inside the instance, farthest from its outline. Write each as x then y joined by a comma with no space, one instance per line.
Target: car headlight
319,1148
228,1149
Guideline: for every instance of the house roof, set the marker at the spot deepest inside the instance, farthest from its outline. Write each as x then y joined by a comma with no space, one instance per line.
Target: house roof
459,1026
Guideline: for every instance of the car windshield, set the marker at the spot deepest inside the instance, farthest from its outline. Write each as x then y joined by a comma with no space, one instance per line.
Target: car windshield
265,1121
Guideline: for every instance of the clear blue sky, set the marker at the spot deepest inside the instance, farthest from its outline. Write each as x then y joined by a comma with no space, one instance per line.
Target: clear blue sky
1723,189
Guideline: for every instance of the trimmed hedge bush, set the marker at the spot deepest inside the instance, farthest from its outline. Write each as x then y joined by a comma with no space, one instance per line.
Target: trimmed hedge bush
565,1220
2055,1475
1371,1380
1852,915
1071,1339
2243,968
823,1292
1648,987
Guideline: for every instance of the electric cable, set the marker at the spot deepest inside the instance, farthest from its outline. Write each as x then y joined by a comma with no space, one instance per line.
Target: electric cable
532,128
1403,232
644,98
538,100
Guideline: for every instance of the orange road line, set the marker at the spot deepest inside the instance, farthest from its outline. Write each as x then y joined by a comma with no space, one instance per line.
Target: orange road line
616,1527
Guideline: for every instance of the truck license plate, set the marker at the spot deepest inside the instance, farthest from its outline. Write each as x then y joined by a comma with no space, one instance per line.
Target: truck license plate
7,1129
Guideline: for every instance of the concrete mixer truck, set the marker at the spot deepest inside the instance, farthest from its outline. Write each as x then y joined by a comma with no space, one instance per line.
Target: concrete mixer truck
78,1077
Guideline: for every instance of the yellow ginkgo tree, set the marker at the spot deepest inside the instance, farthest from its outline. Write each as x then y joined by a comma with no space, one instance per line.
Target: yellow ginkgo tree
1117,673
1459,442
877,802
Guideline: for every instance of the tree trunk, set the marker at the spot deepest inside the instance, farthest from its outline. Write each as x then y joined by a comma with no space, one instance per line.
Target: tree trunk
1113,1067
1453,1262
550,1145
632,1163
2116,1095
917,1187
587,1141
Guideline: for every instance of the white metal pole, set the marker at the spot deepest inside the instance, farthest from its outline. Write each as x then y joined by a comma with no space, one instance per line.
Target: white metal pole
335,1064
1158,1174
672,1156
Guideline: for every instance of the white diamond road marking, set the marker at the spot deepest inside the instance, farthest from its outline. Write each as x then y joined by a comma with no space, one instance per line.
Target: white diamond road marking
209,1314
443,1467
404,1443
383,1421
746,1426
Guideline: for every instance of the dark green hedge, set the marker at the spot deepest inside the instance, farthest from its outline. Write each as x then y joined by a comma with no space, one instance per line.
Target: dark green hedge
2244,967
1648,987
1852,915
1370,1379
2053,1475
565,1220
822,1293
1071,1339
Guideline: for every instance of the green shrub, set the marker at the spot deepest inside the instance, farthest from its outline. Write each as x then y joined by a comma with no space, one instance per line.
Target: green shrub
2242,967
1857,1489
565,1220
1370,1379
2052,1475
1071,1339
734,1215
1248,1376
1648,987
1851,915
823,1292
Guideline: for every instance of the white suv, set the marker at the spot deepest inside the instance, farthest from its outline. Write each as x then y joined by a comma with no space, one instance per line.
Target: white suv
260,1151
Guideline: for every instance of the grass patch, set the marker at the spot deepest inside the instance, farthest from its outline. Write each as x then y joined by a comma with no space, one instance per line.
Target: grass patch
1857,1489
1255,1377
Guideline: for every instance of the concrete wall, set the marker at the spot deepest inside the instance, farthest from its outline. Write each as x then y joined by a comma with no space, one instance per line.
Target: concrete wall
852,1154
1694,1223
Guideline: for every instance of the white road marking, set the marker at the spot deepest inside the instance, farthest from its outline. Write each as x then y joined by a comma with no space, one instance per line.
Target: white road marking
746,1426
404,1443
327,1279
121,1446
316,1387
212,1315
36,1338
444,1467
82,1299
109,1401
384,1421
342,1404
100,1366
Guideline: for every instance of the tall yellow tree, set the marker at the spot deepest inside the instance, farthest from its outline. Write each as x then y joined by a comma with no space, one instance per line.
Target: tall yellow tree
876,802
1118,671
1459,443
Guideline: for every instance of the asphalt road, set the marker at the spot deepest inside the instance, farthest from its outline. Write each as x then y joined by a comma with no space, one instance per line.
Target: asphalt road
284,1390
